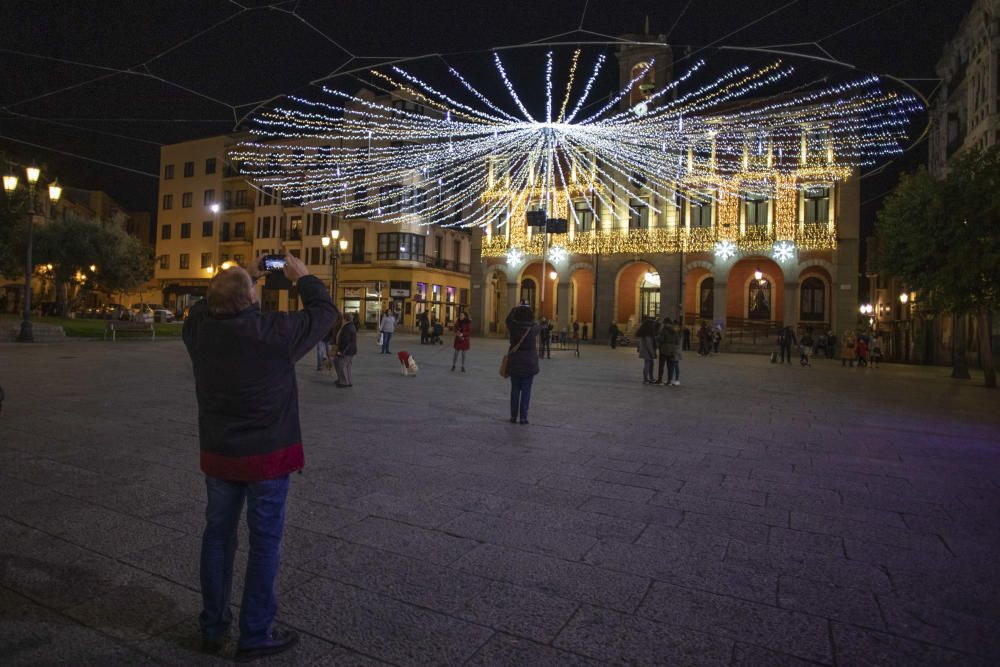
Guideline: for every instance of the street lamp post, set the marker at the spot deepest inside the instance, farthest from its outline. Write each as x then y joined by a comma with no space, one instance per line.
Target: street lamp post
33,173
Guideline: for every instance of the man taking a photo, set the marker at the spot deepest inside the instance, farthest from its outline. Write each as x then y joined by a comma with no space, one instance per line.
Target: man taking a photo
248,422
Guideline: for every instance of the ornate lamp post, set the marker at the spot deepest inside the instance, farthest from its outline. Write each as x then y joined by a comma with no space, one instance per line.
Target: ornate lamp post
339,245
55,191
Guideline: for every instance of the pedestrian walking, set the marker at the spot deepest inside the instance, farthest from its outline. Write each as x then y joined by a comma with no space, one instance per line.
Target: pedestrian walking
667,347
522,360
847,343
686,338
347,349
704,340
646,345
613,333
386,328
576,330
586,330
805,348
716,338
862,350
463,334
248,426
425,328
876,350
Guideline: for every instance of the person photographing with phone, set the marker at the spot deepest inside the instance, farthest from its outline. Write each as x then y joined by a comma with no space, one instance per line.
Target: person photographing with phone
248,424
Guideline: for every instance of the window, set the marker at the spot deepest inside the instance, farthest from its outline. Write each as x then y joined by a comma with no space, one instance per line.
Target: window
701,211
241,198
394,245
456,250
316,224
168,172
168,202
186,199
165,232
238,259
223,257
209,197
264,227
706,299
239,230
210,165
295,228
227,199
206,228
813,307
358,245
649,296
185,230
528,292
206,260
584,216
463,296
185,260
817,205
315,256
755,208
188,169
759,299
164,261
638,214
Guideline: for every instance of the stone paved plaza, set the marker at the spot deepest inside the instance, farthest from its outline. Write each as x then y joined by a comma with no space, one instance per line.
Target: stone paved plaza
756,515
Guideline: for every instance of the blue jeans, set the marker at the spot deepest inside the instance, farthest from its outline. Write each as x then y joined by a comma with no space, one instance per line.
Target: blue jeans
322,351
265,502
385,341
520,395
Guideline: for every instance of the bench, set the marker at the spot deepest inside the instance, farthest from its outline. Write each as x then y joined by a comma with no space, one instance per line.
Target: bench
115,327
565,342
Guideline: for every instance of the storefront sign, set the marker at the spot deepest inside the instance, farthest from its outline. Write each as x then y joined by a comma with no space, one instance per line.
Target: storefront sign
352,292
399,292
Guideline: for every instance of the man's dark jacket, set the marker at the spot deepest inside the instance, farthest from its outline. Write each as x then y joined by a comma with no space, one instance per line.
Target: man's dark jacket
244,371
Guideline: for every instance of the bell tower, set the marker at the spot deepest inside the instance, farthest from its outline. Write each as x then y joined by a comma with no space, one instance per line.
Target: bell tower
634,58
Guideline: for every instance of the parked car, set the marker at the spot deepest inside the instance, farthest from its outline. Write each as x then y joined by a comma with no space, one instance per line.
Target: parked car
143,312
163,315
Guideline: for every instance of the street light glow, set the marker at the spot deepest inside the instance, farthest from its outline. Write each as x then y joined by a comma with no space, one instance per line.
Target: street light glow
325,241
904,297
9,183
55,191
334,234
215,208
343,244
33,173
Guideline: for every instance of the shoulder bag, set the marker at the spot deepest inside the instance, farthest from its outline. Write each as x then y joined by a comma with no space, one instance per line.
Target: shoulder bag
506,357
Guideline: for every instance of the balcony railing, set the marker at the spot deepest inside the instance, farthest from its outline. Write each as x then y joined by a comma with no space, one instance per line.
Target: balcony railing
355,258
229,237
246,205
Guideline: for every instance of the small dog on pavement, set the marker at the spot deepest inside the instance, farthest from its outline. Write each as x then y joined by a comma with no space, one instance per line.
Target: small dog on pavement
407,363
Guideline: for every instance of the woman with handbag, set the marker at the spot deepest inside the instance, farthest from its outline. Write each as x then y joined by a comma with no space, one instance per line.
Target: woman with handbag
463,332
521,362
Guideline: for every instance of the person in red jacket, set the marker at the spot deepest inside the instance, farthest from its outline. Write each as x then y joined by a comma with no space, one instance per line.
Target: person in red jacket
248,427
463,334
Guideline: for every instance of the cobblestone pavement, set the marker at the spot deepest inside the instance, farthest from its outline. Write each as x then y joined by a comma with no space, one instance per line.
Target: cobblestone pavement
756,515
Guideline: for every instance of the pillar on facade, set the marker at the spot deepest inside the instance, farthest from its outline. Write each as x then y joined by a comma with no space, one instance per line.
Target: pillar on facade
791,298
562,305
720,294
512,300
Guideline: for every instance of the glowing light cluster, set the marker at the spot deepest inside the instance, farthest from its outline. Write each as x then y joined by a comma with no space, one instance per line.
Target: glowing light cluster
419,155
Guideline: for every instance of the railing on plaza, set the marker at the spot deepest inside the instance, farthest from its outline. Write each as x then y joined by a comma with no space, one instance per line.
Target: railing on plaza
565,341
742,329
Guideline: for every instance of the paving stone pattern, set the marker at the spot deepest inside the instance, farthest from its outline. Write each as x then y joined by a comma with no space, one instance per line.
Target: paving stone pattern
758,514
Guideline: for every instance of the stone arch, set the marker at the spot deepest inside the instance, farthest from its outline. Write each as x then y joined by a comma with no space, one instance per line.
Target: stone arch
804,264
628,297
708,266
739,279
815,272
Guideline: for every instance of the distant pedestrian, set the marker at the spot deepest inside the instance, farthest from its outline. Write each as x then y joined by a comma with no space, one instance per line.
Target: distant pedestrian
847,343
862,350
716,338
613,333
667,346
576,330
545,338
646,345
425,328
820,349
876,350
704,340
522,364
386,328
347,348
805,348
586,330
463,334
685,337
831,344
675,381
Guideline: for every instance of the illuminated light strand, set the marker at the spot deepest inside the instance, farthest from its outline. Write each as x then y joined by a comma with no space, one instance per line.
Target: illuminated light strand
510,88
587,88
569,85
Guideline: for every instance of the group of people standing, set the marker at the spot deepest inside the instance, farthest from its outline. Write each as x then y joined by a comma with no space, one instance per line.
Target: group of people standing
862,348
339,347
660,341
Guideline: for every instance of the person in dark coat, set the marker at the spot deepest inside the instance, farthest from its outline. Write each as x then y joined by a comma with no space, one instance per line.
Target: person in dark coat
613,333
347,348
646,345
463,336
586,330
251,440
425,328
522,363
786,339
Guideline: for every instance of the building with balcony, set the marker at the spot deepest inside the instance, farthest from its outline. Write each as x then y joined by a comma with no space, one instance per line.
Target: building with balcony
728,254
209,214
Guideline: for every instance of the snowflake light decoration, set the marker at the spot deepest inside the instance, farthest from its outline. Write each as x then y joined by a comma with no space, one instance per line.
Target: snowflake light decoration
557,254
724,250
784,251
514,257
423,153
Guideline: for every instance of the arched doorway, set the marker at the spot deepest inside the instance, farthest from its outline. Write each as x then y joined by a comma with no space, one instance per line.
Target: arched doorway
756,291
529,293
582,297
634,294
496,302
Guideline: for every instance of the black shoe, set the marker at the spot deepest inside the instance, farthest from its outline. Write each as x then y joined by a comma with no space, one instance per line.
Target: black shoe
453,369
524,421
340,386
513,420
657,382
280,641
463,369
212,646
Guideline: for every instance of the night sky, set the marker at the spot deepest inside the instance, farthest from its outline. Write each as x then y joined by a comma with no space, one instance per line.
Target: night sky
238,58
